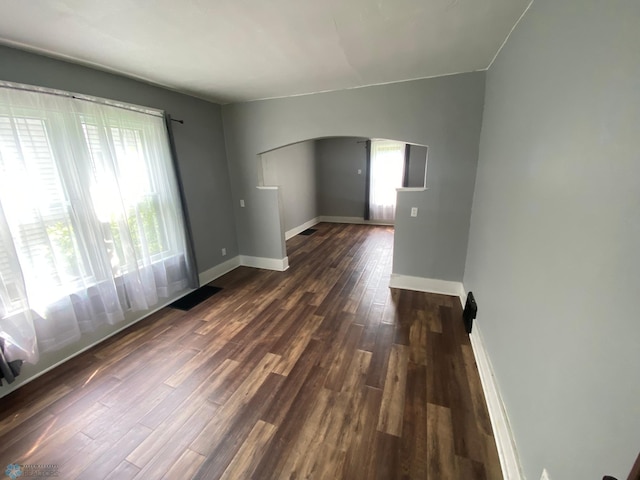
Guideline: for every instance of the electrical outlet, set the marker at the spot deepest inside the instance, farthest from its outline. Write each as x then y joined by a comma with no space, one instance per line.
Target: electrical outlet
414,211
359,172
545,475
224,252
242,203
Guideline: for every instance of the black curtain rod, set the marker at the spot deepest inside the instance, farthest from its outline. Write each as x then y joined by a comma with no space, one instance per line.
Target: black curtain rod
176,120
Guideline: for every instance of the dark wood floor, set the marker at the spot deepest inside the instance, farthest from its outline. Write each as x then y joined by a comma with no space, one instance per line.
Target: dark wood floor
321,372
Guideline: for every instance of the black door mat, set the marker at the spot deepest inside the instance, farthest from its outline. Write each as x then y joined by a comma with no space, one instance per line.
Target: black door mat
308,231
195,298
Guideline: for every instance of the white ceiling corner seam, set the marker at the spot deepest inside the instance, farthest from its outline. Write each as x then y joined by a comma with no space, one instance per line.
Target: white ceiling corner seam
509,34
356,87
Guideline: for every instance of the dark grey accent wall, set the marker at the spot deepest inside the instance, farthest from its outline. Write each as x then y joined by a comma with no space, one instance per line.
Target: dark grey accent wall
444,113
341,189
293,170
553,253
417,165
199,142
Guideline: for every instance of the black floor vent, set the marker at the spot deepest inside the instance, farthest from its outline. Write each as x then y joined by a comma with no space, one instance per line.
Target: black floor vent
308,231
470,312
195,298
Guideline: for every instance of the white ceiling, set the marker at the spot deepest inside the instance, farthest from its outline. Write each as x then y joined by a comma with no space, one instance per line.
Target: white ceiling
238,50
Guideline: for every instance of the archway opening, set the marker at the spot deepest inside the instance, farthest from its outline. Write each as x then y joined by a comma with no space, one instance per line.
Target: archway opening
329,179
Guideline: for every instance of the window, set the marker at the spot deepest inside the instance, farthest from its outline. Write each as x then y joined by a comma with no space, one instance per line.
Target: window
387,167
144,217
34,200
90,220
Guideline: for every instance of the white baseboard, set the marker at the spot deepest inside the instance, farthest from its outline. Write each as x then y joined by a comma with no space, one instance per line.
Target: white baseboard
301,228
356,220
328,219
278,264
431,285
210,275
505,442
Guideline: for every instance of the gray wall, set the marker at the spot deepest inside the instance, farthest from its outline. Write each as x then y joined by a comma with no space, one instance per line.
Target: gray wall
341,190
553,251
199,142
444,113
417,165
293,169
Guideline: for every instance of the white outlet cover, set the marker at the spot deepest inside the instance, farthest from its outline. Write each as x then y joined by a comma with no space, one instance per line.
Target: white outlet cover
545,475
414,211
242,203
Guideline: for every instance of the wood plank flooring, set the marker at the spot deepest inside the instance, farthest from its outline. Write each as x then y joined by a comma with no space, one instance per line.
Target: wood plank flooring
320,372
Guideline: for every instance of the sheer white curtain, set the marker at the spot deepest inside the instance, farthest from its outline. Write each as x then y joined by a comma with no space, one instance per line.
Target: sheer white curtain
90,218
387,168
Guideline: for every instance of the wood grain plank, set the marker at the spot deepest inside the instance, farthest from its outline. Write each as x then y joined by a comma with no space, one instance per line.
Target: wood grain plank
289,437
103,465
414,442
236,403
387,454
441,457
248,457
165,453
341,362
186,466
167,432
124,471
380,357
360,458
233,434
390,417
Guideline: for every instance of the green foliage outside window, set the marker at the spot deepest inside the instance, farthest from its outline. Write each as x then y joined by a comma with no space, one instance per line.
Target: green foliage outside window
143,220
63,249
